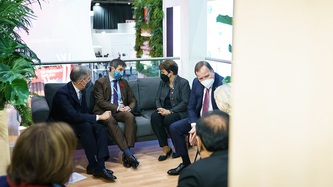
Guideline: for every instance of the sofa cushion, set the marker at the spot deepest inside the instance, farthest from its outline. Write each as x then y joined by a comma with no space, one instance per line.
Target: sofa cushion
42,111
147,113
143,126
134,87
147,92
50,89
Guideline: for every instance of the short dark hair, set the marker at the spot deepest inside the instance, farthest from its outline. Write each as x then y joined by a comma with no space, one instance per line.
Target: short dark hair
200,64
79,72
116,62
169,65
213,130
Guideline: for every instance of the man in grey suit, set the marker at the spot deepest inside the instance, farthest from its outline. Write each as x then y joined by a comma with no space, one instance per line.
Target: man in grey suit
212,140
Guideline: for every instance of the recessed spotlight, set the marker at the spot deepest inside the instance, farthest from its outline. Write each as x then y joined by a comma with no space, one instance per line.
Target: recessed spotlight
97,4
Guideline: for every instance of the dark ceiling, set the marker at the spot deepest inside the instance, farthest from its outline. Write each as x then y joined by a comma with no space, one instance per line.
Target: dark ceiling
113,1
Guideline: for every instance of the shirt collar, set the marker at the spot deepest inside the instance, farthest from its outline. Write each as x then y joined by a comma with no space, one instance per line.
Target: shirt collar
76,90
111,78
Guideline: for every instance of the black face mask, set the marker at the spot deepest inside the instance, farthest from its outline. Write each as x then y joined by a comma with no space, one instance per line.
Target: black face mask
164,78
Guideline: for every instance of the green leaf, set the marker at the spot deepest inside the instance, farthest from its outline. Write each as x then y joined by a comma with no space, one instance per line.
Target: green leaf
19,69
226,80
224,19
17,92
230,48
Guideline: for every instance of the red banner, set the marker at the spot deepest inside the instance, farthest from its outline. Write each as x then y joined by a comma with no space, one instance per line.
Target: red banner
58,73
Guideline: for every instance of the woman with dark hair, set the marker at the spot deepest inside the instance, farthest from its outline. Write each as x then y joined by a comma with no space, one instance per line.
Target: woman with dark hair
171,102
42,156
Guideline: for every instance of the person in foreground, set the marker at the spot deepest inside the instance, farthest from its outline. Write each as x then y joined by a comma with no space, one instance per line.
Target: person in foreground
201,101
70,105
212,141
171,102
112,93
42,156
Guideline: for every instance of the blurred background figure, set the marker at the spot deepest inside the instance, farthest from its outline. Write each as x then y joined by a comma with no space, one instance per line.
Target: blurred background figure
42,156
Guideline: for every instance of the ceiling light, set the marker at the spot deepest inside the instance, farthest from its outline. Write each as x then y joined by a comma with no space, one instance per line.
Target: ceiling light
97,4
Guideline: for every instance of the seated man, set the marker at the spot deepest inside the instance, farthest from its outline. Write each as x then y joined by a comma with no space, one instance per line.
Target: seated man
69,105
113,93
201,101
212,140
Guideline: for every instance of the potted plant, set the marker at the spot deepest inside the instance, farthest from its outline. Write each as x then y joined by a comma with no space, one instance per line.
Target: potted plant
16,58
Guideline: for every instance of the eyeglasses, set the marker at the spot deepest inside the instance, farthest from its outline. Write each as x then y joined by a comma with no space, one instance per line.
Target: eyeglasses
86,81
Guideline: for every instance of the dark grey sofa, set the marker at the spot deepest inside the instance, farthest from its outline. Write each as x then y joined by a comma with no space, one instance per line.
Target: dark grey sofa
144,90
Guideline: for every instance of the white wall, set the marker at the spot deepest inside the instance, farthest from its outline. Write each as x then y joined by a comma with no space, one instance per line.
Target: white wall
114,43
61,31
193,32
281,130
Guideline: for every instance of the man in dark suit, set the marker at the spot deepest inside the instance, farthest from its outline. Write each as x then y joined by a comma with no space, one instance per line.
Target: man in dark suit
113,93
70,105
212,140
201,101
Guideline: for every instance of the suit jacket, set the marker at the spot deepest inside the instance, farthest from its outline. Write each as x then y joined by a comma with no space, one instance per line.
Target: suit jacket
196,98
179,98
103,95
66,106
207,172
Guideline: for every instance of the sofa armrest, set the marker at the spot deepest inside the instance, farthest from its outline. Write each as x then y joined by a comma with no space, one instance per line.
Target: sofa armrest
40,110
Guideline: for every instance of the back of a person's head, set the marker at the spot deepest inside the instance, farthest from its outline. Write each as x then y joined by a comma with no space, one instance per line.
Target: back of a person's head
43,154
212,128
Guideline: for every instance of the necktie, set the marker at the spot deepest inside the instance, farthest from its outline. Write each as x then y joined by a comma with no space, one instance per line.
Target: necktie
80,96
115,93
205,105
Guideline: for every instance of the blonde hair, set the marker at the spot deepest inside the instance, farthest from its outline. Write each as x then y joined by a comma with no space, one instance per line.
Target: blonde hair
222,96
43,154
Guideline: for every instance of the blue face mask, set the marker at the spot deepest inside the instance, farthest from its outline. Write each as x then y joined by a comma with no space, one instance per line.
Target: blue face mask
117,75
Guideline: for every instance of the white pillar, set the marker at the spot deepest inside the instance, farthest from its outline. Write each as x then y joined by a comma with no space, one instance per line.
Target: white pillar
4,143
193,32
282,119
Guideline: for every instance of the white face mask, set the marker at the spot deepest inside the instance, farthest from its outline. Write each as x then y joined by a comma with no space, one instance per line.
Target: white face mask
207,83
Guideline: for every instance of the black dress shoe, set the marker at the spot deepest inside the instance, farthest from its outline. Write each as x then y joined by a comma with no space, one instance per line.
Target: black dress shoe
174,155
177,170
164,157
104,174
134,161
90,170
126,162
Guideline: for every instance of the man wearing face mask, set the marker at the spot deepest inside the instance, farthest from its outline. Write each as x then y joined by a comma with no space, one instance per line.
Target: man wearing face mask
171,102
113,93
201,101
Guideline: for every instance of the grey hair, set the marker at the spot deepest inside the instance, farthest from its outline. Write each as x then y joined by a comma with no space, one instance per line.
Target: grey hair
79,72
